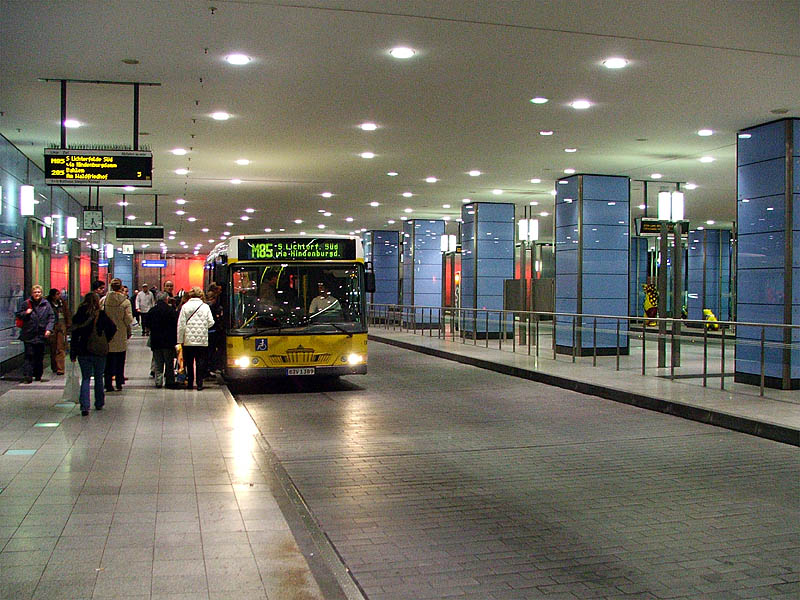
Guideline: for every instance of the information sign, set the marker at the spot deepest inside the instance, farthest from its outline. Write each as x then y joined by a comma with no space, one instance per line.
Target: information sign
297,249
98,167
154,264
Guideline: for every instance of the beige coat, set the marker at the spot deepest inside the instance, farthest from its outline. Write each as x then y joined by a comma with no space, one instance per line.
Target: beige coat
118,308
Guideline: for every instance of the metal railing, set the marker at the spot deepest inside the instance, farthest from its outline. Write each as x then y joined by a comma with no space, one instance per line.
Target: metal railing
760,346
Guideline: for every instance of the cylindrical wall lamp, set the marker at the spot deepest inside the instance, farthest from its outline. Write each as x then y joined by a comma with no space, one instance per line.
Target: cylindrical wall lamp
72,228
26,202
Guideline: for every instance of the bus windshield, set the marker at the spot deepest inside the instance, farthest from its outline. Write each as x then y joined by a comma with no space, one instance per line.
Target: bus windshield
301,298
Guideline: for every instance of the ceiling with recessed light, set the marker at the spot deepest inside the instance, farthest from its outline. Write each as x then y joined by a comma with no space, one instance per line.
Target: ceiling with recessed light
326,127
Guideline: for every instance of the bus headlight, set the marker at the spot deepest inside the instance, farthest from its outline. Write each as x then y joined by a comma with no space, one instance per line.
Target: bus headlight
242,361
355,359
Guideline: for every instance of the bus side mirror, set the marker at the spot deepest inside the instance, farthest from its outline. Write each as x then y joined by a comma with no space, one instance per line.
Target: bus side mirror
369,282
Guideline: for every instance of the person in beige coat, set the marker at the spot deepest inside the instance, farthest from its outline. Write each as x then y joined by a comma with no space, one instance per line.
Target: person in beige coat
118,309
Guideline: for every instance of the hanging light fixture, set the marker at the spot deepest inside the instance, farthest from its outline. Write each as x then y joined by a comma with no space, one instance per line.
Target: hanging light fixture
670,206
109,251
528,230
26,201
677,206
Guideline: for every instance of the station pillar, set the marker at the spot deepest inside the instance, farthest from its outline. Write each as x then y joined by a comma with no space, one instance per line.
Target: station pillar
768,253
422,272
382,249
592,233
709,274
487,261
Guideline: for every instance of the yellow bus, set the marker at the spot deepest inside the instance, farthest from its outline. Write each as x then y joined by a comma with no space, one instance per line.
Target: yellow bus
292,305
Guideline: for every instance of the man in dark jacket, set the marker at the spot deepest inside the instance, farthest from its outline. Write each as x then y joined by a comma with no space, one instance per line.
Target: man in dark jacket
38,319
163,336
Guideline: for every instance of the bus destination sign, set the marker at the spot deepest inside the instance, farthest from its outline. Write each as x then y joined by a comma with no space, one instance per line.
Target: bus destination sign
297,249
98,167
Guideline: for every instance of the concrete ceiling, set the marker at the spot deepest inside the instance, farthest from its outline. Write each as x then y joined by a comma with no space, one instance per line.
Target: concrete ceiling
319,69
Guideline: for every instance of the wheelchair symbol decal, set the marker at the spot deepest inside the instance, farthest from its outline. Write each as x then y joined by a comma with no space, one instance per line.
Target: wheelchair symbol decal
261,344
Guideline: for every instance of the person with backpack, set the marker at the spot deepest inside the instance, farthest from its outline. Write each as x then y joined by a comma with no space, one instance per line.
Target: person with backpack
118,308
91,332
36,319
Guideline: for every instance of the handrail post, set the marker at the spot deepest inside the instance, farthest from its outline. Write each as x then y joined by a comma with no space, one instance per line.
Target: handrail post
705,355
722,376
487,328
501,329
617,344
594,340
574,337
763,361
644,349
536,325
672,351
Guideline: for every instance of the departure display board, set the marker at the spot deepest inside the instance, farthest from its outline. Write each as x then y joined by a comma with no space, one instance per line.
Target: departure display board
98,167
297,249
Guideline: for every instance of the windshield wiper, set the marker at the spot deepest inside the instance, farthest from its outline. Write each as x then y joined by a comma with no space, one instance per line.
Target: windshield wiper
340,328
262,331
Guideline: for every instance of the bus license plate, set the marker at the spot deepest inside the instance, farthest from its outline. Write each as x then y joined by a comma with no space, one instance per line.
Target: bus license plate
301,371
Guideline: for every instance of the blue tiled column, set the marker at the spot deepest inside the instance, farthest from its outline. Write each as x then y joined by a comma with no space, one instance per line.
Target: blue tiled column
708,270
768,256
123,268
638,276
382,249
592,261
422,268
487,260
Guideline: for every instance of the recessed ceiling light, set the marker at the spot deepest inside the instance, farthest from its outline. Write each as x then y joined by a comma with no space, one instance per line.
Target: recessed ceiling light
367,155
615,62
180,213
349,219
326,194
392,173
326,214
226,233
181,171
131,217
700,228
172,232
250,210
546,132
220,116
710,222
568,172
374,204
533,203
539,100
407,194
544,214
642,207
580,104
179,151
466,200
298,221
408,210
244,218
180,201
242,161
72,123
391,221
445,206
237,59
368,126
402,52
536,180
211,241
192,219
691,186
706,159
497,192
705,132
474,173
267,230
236,181
229,224
129,188
148,222
431,179
172,237
320,226
570,150
656,176
204,230
745,136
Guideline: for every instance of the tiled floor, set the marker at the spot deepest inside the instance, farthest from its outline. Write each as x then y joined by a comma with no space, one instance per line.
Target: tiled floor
160,496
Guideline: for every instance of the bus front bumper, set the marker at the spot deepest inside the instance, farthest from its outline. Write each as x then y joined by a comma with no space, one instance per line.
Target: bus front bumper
239,373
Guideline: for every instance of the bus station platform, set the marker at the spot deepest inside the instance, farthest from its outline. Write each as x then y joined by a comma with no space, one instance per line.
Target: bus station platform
775,416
